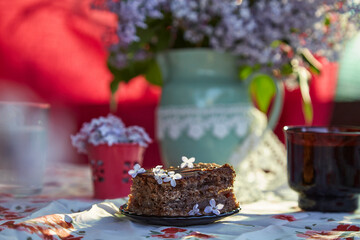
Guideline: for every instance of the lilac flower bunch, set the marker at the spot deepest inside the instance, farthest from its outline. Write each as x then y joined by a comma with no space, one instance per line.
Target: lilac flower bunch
108,130
256,31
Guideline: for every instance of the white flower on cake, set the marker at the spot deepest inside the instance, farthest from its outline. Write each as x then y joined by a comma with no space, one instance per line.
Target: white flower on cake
172,177
160,177
187,162
213,207
137,169
159,174
195,210
158,169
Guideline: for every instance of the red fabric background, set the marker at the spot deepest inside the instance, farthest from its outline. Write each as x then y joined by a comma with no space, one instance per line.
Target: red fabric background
322,92
53,51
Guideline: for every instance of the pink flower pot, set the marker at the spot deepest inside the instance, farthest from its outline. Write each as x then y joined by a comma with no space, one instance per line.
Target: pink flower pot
110,166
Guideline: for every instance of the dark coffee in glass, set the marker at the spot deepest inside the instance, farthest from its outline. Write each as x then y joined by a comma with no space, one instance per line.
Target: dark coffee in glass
324,167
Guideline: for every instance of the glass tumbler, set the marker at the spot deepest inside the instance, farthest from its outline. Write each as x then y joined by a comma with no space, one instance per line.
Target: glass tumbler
23,147
324,167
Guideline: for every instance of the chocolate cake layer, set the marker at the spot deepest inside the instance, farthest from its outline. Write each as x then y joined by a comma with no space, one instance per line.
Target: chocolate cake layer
197,185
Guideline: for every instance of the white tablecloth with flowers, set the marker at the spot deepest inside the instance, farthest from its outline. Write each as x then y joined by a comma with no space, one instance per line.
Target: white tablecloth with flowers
65,210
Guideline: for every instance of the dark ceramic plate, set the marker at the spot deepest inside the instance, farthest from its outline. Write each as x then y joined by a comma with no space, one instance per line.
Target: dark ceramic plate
175,221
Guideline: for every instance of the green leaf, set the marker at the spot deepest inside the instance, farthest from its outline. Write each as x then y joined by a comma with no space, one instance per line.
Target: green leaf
145,34
114,85
294,30
327,21
133,69
153,73
286,69
314,70
245,72
275,43
304,78
314,65
257,67
163,39
308,112
263,89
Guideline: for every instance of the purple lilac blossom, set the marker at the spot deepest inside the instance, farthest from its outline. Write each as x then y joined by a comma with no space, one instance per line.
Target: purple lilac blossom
138,135
108,130
247,29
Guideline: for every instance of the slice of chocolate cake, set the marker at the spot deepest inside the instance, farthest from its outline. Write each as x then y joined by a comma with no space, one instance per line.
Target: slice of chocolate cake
194,189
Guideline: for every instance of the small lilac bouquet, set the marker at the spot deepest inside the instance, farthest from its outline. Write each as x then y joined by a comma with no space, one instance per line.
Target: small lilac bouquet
108,130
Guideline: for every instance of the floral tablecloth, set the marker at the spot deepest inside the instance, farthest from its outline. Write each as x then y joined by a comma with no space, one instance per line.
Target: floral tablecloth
65,210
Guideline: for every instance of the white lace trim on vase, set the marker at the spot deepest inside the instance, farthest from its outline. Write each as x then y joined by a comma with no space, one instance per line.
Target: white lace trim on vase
220,120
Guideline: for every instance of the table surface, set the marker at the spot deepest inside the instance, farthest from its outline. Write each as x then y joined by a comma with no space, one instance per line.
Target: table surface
65,210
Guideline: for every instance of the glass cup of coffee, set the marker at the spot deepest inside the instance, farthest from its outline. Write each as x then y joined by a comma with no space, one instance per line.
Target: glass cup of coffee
23,147
324,167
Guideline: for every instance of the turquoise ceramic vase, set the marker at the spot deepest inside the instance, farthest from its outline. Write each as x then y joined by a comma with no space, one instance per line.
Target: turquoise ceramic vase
205,110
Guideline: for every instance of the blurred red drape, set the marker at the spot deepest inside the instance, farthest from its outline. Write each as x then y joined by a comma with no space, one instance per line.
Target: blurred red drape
54,51
322,92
